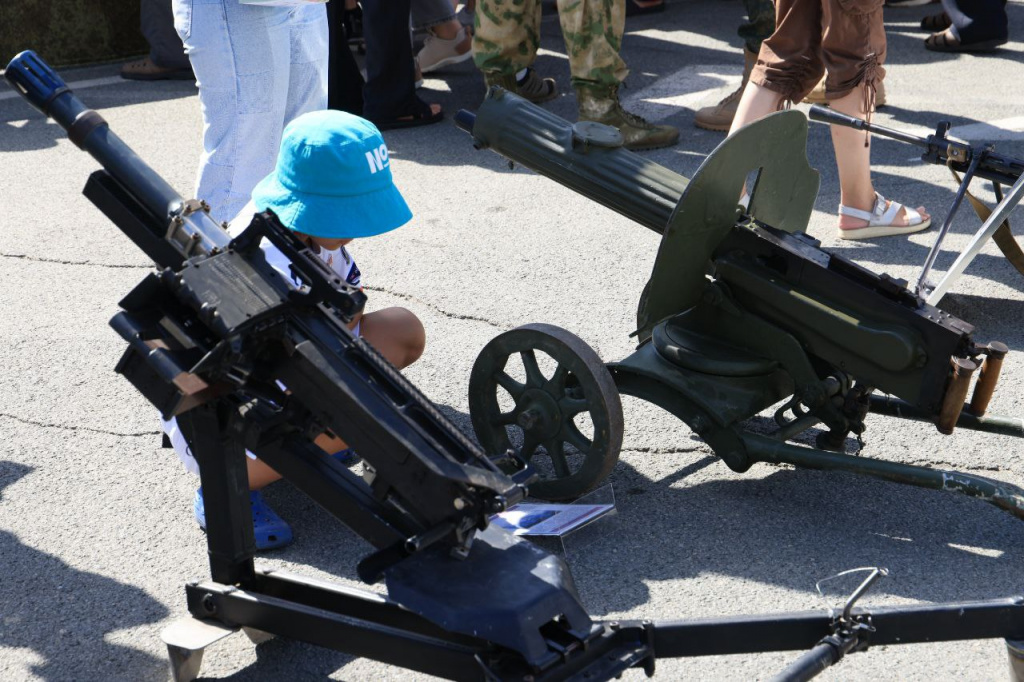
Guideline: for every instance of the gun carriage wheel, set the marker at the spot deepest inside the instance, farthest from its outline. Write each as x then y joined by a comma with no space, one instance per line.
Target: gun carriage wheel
548,409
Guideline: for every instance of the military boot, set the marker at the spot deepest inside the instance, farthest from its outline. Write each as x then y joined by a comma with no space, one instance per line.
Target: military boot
601,104
531,86
719,117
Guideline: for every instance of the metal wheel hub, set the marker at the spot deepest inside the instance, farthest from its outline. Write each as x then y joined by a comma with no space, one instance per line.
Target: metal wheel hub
538,415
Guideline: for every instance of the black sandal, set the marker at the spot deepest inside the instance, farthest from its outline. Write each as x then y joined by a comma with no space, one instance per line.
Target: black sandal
936,22
420,116
945,41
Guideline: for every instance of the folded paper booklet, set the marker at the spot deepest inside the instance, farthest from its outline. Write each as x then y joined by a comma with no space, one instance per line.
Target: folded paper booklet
529,518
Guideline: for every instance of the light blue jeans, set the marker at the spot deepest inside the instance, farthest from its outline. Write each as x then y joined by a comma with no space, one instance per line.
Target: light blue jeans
257,68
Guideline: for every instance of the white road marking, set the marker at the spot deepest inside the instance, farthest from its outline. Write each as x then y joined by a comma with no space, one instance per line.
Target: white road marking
75,86
1003,129
688,88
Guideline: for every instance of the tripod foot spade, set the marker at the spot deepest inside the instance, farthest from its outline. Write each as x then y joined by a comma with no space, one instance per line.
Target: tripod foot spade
186,640
547,384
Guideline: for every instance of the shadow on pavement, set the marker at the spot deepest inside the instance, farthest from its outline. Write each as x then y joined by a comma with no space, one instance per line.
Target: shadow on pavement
792,529
24,129
39,590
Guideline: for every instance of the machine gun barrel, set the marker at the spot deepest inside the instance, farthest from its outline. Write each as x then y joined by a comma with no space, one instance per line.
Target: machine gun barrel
939,149
627,183
46,91
826,115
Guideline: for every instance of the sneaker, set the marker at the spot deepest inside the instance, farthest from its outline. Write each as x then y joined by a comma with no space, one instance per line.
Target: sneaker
530,86
438,53
269,529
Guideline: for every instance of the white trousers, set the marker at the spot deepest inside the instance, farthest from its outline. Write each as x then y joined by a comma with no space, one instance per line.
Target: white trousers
257,68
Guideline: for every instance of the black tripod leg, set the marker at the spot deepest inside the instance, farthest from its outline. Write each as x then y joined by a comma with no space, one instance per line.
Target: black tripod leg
225,481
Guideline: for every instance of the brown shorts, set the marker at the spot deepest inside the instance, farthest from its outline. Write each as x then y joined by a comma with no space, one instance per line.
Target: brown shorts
844,37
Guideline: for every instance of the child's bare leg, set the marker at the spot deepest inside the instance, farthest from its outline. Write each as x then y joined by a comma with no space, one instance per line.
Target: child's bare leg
261,475
396,333
399,336
854,161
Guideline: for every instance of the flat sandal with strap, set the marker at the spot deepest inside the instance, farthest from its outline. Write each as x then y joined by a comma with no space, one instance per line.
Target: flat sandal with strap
880,220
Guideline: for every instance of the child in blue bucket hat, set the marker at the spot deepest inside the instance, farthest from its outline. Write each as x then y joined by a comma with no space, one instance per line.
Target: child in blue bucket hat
332,184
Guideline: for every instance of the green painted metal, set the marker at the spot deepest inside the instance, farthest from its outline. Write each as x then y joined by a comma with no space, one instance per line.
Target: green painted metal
627,183
988,423
743,311
782,195
1003,495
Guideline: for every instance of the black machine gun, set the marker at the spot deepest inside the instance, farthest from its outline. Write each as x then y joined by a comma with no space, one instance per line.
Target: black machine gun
211,334
959,157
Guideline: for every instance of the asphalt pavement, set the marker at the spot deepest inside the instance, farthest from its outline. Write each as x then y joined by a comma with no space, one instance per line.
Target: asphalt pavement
96,531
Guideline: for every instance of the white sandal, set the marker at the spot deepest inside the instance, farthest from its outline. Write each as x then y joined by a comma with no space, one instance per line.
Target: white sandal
880,220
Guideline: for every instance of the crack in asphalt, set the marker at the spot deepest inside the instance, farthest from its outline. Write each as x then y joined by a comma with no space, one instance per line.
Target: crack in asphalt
71,427
436,308
57,261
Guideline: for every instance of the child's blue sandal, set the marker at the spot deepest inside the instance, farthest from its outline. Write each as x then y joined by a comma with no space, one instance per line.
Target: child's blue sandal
269,529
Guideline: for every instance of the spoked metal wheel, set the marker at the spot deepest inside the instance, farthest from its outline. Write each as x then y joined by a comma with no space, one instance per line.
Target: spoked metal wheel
544,391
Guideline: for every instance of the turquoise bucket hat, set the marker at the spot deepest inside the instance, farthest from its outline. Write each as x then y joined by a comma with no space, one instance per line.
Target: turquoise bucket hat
333,179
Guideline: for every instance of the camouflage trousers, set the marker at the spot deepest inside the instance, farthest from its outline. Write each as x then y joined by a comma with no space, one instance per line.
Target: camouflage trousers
508,34
759,25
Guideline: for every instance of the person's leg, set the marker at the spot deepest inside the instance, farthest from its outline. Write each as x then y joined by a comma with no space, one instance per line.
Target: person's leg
165,48
854,50
506,37
433,15
977,21
788,64
307,78
759,26
241,55
390,90
344,81
396,333
592,30
166,59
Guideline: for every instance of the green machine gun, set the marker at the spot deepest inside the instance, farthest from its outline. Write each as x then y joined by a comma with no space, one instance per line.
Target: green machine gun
743,311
